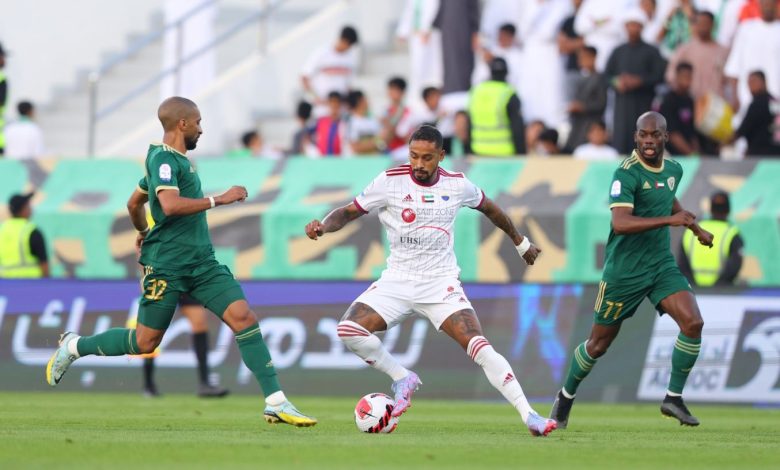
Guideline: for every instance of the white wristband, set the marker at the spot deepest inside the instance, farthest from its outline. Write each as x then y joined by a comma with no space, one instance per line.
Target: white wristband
144,231
213,203
523,246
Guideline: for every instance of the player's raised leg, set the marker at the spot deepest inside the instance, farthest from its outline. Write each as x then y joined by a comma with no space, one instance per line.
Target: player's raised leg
582,361
257,358
463,326
682,307
112,342
356,331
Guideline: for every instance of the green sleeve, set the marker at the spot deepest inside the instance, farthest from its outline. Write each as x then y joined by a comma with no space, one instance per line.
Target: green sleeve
163,172
143,187
622,189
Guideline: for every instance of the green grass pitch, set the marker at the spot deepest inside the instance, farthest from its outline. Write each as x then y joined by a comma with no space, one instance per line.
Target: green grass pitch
84,430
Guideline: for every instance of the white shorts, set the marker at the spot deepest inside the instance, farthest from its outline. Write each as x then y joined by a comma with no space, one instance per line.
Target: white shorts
395,300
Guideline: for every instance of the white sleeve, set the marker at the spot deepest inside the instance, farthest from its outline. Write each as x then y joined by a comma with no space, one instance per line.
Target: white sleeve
734,61
312,64
374,196
472,196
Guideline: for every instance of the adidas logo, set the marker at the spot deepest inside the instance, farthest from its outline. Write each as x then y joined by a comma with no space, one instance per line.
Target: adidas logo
646,185
408,198
509,377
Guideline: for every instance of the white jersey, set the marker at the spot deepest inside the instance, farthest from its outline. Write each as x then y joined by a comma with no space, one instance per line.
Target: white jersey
419,220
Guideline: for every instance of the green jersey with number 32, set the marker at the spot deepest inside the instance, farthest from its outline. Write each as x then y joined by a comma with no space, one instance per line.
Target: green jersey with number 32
650,192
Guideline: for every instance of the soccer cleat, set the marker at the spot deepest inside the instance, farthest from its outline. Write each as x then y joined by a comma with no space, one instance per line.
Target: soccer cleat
561,409
212,391
540,426
403,390
61,359
286,413
152,392
674,407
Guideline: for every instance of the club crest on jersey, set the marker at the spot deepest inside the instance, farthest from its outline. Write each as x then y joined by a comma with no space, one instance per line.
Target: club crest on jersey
445,198
670,183
408,215
165,172
427,198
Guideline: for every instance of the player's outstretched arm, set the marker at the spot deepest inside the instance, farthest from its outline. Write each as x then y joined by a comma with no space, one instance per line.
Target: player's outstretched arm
704,237
334,221
173,204
625,222
527,250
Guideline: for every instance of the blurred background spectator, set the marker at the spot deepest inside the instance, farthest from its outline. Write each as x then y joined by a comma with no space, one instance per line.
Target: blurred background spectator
415,27
301,140
634,69
331,69
3,98
23,137
596,148
589,100
720,264
22,247
569,44
396,111
761,125
362,131
253,146
328,130
677,108
496,119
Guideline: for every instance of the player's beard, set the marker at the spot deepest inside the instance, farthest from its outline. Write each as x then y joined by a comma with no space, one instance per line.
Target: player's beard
421,175
191,142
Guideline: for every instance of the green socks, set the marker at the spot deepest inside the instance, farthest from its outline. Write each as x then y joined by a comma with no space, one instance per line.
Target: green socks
257,358
686,351
581,364
113,342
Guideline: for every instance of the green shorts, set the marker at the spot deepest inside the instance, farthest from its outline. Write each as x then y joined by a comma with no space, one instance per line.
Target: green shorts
618,300
212,284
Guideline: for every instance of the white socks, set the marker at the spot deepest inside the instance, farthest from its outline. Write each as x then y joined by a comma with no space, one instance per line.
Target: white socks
499,373
369,348
275,399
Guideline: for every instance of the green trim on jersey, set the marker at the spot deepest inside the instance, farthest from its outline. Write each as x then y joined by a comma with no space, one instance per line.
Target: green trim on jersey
175,242
651,193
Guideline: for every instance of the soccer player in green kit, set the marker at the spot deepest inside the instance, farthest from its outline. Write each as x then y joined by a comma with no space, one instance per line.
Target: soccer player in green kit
639,263
177,257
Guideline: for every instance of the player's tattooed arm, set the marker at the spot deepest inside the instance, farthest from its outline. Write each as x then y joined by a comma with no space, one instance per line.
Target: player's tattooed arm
333,222
501,220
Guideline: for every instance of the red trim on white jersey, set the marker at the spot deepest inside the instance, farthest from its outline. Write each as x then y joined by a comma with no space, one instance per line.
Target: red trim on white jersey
399,170
481,201
444,172
359,207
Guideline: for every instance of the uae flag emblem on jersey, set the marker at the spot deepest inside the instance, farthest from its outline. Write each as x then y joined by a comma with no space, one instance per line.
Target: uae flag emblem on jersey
427,198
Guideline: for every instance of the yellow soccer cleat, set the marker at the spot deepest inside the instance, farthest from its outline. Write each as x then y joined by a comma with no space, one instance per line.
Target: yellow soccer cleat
287,413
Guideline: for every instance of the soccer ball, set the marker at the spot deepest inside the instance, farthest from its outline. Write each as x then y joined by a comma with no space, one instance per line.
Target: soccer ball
372,414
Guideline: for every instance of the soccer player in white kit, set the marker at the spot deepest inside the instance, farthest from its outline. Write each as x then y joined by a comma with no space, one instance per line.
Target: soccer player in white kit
417,203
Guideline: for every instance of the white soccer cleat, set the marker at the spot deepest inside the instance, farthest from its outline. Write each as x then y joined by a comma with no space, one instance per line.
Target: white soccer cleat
403,390
61,359
539,426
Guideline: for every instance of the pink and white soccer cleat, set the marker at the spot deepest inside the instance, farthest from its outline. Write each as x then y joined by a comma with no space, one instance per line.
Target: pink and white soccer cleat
403,390
540,426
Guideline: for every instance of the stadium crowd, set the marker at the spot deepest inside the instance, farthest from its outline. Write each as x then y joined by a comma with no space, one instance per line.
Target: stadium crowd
575,75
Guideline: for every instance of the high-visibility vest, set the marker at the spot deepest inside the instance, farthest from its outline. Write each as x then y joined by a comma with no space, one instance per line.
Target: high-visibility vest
707,263
16,259
491,134
2,115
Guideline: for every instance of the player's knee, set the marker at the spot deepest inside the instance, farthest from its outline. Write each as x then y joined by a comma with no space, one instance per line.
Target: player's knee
147,345
242,319
692,328
597,348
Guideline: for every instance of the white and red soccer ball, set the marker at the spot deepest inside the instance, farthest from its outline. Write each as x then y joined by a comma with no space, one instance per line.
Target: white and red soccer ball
372,414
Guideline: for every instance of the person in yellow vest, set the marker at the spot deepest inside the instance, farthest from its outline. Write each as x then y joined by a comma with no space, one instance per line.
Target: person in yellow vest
196,314
719,265
3,99
497,128
22,247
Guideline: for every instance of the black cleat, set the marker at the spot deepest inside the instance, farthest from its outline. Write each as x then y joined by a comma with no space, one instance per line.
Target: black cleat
674,407
561,409
212,391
